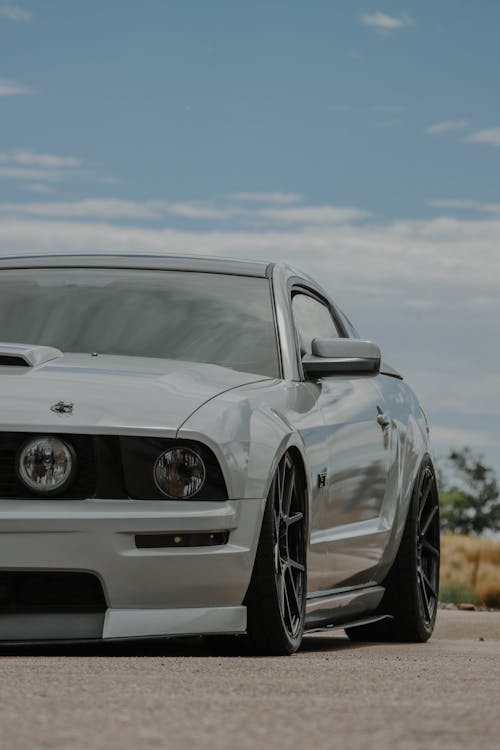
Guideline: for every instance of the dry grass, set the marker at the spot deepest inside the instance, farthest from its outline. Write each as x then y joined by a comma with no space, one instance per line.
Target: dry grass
470,569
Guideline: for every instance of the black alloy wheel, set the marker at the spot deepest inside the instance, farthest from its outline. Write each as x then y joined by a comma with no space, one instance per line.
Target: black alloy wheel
412,584
428,550
276,596
289,547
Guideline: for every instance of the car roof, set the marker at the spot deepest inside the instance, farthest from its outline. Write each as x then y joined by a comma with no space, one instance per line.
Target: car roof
199,263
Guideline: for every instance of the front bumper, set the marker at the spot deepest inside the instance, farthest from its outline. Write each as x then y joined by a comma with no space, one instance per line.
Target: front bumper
149,592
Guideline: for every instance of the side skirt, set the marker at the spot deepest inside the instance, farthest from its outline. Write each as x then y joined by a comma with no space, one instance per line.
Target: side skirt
343,608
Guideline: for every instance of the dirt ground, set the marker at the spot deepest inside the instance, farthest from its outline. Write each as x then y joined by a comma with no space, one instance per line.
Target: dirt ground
443,694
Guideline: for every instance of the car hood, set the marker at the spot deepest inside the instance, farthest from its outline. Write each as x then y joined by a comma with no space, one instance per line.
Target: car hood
110,394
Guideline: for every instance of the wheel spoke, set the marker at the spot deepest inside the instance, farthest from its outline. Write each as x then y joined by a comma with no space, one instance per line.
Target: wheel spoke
289,492
424,497
430,548
276,526
423,592
429,520
288,607
290,520
277,559
282,486
276,509
295,595
296,565
280,580
429,584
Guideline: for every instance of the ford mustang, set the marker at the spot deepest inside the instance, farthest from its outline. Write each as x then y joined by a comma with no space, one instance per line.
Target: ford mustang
195,446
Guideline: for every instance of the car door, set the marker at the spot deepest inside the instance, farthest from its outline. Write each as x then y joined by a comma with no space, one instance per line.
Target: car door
346,537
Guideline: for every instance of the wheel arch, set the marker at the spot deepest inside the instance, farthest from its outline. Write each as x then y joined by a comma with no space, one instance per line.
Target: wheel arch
291,444
400,519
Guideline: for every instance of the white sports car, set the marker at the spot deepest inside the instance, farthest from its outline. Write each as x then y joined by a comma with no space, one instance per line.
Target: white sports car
198,446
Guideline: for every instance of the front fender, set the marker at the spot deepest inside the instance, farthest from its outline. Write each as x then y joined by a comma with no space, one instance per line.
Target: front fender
248,436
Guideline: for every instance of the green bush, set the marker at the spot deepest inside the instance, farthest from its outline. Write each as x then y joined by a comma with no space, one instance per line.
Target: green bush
456,592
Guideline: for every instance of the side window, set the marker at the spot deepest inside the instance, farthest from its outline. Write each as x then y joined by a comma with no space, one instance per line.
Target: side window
312,320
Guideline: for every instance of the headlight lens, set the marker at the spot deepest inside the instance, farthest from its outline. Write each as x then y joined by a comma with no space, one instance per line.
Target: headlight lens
179,473
46,464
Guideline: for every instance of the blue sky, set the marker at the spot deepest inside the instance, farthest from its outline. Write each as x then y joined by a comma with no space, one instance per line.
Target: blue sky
360,141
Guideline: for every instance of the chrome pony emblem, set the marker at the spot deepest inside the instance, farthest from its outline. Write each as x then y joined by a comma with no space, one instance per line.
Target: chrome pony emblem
62,407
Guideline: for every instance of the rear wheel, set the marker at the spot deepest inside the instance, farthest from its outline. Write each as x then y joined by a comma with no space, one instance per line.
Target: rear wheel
276,596
412,584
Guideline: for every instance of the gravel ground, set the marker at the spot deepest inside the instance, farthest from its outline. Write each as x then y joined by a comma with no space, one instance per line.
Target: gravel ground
443,694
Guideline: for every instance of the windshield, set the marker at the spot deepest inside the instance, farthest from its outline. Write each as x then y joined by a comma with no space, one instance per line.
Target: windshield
197,317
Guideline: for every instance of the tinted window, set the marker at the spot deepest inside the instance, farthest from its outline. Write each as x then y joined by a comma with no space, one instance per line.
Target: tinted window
313,320
198,317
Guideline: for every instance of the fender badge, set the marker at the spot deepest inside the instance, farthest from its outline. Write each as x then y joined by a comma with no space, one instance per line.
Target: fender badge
62,407
322,478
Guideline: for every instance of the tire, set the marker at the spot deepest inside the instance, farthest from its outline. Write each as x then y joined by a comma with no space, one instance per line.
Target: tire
412,584
276,596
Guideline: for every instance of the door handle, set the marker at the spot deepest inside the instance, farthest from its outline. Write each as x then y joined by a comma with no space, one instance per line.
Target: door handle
384,420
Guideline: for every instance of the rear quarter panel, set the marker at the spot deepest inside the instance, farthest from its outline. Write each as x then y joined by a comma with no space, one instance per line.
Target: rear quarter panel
410,445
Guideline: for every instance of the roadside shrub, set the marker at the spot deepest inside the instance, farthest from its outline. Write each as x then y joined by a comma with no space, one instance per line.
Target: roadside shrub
470,570
456,592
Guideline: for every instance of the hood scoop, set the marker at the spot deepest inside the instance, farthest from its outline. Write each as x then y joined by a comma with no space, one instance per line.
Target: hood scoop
26,355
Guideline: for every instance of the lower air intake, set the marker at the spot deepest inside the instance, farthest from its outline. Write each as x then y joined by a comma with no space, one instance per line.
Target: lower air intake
50,592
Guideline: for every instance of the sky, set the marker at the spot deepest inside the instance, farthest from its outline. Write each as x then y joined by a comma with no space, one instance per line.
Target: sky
359,141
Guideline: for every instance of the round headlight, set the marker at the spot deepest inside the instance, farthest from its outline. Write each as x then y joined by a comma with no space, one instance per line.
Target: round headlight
179,473
46,464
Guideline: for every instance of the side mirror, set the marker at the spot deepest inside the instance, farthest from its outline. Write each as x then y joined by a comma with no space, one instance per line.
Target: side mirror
341,357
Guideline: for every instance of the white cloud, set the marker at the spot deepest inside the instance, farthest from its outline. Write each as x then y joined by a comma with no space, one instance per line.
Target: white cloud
454,204
188,210
274,198
34,167
490,136
29,173
38,187
100,208
447,126
13,88
467,205
113,208
28,158
446,252
384,22
14,13
319,215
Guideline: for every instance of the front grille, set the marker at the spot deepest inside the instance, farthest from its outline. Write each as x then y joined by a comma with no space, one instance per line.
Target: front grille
50,592
109,467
